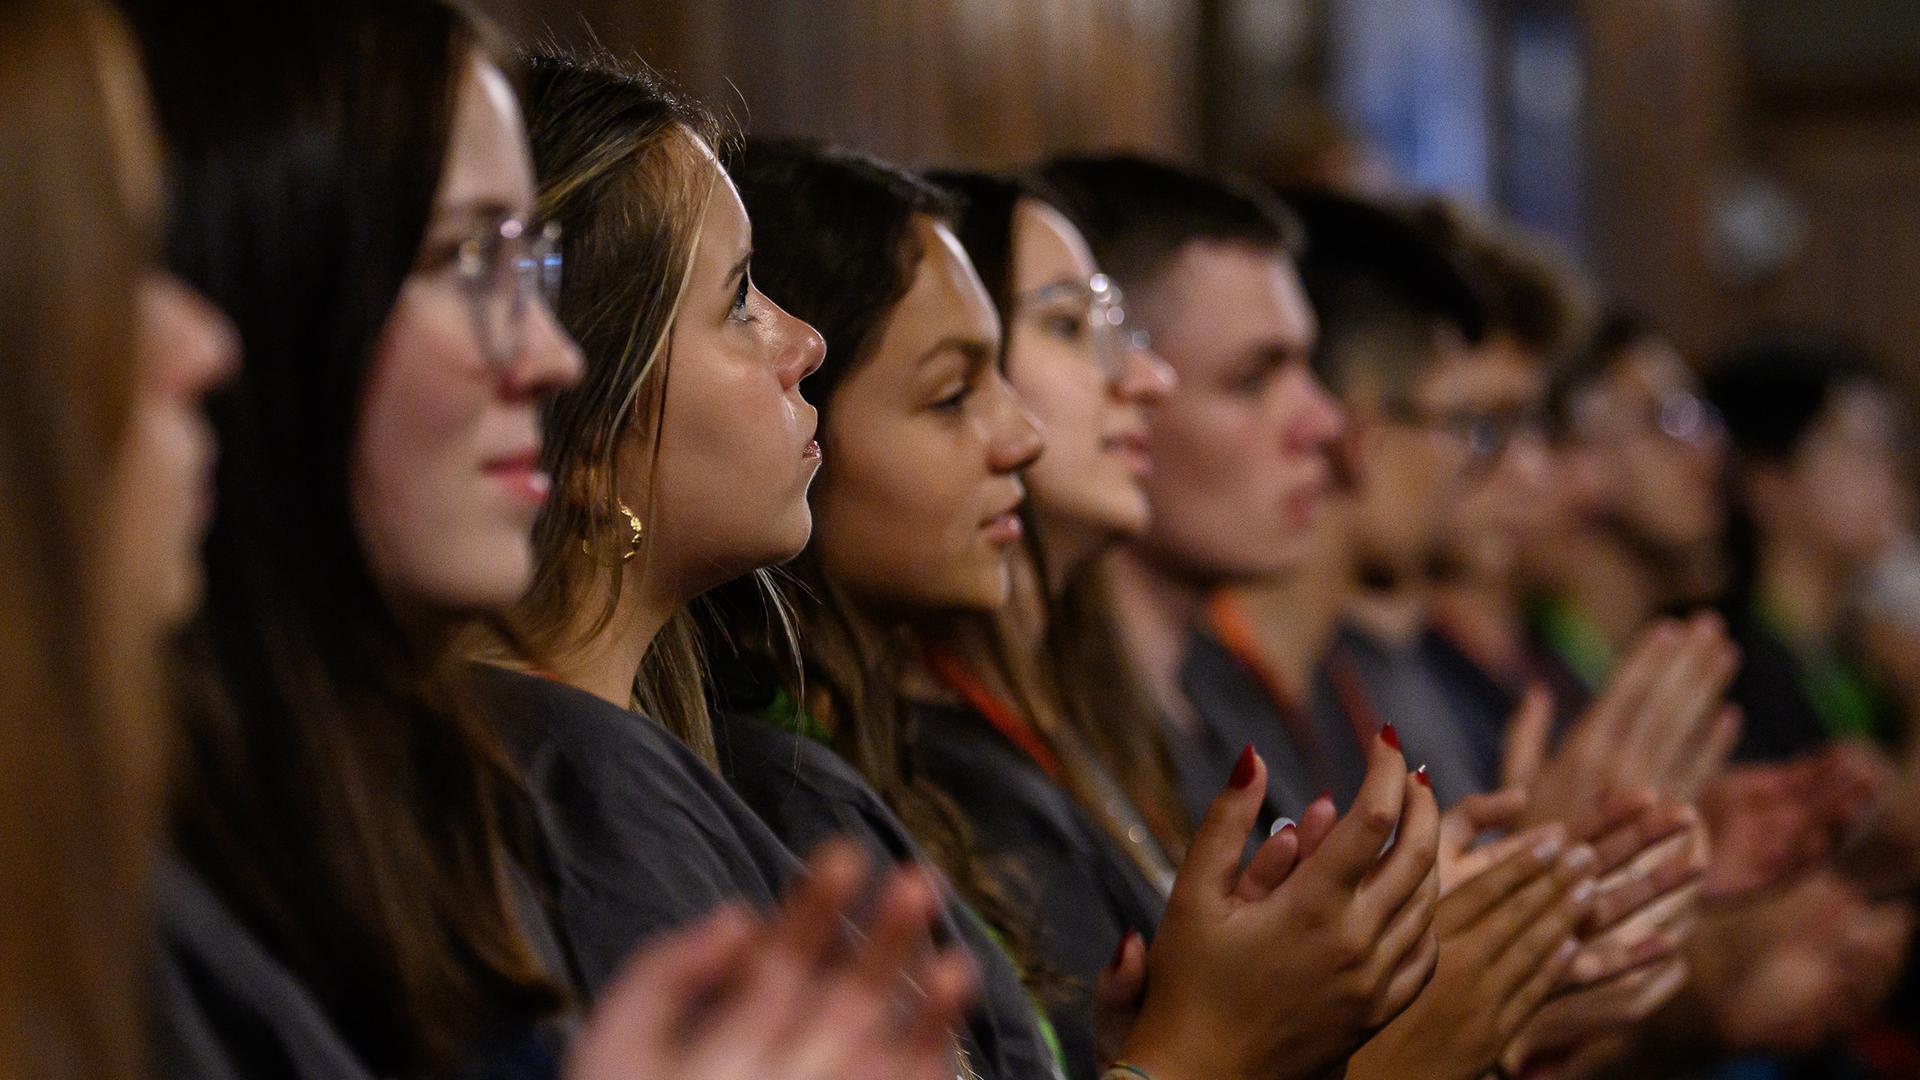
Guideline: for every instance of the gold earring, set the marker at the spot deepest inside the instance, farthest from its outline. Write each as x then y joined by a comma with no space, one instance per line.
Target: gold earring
639,531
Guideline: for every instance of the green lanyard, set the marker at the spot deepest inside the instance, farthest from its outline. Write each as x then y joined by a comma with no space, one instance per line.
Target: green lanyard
786,713
1843,696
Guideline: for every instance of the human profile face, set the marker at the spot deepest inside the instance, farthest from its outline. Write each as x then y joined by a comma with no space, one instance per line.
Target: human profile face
183,350
1656,448
1505,498
1239,445
1840,497
917,507
446,480
727,490
1090,384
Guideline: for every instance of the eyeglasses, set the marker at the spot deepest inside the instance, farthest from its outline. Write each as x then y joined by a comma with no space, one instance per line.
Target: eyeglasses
1487,435
1686,418
1679,416
1102,306
500,269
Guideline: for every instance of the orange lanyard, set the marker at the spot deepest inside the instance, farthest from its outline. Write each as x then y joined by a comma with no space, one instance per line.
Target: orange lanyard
1235,632
1011,725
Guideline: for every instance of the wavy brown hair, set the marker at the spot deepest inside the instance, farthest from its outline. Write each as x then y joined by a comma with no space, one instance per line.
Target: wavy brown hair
627,165
834,245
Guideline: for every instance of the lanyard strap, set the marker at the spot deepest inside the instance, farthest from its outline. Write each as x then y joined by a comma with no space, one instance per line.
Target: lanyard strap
1011,725
1233,629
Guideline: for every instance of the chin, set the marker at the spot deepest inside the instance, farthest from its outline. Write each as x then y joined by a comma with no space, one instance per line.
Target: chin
794,538
491,582
987,592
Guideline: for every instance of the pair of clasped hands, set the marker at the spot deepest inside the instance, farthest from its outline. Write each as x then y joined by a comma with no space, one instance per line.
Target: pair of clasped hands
1392,939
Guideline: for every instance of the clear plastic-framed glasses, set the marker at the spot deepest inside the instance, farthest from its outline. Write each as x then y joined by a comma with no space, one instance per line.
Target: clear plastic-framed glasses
501,268
1098,309
1486,435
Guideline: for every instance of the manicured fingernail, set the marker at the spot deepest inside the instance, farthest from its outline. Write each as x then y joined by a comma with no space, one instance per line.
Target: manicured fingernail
1242,769
1549,847
1120,951
1565,951
1390,736
1420,774
1582,892
1280,826
1326,795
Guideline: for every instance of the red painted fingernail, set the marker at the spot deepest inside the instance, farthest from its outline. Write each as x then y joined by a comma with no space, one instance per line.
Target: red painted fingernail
1420,774
1242,769
1326,795
1390,736
1120,951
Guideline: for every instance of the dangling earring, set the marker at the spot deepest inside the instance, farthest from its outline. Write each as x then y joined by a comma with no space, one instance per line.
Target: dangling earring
639,531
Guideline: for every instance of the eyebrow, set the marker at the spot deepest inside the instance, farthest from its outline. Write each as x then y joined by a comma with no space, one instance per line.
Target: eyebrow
1057,288
1272,354
475,210
974,350
740,268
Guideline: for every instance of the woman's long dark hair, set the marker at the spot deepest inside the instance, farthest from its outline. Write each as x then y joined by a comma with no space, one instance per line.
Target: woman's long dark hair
336,791
1081,680
1771,392
834,245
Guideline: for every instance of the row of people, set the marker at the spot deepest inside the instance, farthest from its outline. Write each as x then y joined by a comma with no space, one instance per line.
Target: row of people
609,508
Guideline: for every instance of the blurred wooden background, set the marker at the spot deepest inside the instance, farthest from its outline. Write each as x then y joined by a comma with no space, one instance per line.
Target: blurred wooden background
993,82
1721,164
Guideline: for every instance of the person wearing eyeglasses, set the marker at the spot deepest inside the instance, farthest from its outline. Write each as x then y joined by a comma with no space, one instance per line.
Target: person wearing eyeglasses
1537,312
1399,326
1637,516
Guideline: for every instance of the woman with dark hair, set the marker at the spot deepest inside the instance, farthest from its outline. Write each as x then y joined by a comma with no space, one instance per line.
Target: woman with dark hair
1817,500
660,292
915,517
360,889
103,460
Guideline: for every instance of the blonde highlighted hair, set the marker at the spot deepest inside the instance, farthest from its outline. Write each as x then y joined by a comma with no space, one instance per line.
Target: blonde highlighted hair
627,166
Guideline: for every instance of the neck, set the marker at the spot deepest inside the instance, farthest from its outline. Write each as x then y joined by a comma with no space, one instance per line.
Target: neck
1297,611
1396,613
1802,590
1020,626
1155,611
1614,589
1069,546
605,663
1486,616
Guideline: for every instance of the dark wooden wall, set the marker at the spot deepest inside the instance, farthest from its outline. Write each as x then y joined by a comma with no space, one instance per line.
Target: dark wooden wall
1678,99
978,82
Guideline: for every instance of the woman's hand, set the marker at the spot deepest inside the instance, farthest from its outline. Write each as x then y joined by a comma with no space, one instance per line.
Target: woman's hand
1660,724
738,998
1279,970
1506,940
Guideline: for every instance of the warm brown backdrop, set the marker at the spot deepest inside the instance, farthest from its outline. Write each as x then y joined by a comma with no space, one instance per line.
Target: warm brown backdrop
1680,95
990,82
